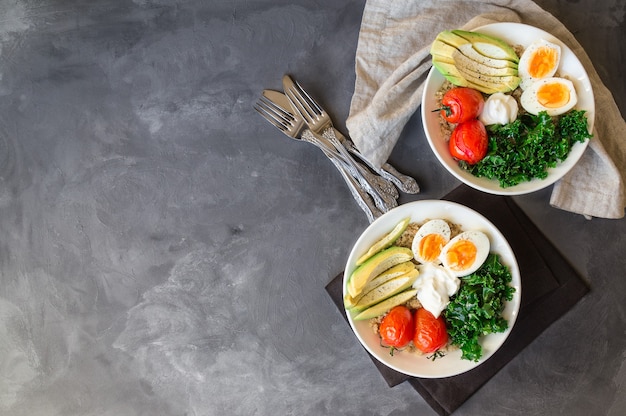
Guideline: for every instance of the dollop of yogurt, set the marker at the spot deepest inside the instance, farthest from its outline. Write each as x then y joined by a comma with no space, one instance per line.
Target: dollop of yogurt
434,287
499,108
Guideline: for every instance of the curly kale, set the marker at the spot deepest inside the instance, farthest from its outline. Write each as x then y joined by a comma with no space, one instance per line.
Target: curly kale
529,146
476,309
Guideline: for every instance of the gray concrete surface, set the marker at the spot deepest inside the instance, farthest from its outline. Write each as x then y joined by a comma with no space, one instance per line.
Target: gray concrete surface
163,251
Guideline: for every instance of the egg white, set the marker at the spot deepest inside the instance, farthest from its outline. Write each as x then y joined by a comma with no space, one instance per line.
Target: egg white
480,242
526,59
436,226
530,102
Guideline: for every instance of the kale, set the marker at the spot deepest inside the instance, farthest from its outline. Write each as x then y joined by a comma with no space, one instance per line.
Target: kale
476,309
529,146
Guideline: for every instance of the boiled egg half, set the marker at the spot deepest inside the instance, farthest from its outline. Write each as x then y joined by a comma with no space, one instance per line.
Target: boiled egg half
552,95
538,61
429,239
465,253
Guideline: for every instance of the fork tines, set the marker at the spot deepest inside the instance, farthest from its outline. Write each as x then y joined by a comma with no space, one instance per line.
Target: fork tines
274,114
312,106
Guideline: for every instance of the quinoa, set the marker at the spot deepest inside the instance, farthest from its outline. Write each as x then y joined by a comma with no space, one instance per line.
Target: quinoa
406,239
445,127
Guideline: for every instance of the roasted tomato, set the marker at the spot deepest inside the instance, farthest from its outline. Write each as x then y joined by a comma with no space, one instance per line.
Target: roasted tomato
469,141
430,332
397,327
461,104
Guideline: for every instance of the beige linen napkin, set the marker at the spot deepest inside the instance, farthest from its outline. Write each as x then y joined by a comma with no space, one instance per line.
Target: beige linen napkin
392,62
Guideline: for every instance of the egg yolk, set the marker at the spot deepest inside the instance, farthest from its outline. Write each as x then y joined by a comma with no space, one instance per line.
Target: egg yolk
461,255
430,246
553,95
542,62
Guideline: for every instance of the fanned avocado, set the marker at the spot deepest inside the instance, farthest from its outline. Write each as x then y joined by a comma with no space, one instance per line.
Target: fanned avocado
386,305
476,60
469,51
488,45
450,38
386,290
466,77
375,265
386,241
462,61
395,271
463,53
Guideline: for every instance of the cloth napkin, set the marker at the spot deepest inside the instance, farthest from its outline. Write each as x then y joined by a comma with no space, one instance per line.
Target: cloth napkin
550,287
392,62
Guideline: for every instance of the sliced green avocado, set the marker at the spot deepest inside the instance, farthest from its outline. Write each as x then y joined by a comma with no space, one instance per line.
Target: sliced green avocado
375,265
386,290
489,46
386,305
448,52
450,38
391,273
452,74
461,60
498,83
488,84
475,60
386,241
469,51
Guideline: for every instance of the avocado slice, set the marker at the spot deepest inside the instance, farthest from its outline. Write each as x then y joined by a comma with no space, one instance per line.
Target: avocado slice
448,37
461,79
466,53
375,265
386,241
465,77
386,290
498,83
386,305
469,51
397,270
489,46
475,60
462,60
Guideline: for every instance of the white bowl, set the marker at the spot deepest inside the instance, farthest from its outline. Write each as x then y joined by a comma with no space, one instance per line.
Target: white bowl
514,34
412,363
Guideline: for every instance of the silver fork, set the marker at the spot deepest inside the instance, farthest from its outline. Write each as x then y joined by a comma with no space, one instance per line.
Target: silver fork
295,128
382,191
403,182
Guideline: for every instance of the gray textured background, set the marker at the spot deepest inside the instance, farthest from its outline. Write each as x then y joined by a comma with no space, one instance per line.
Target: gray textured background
164,251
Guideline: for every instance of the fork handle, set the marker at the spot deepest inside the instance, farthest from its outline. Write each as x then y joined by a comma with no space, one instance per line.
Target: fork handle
380,194
405,183
363,200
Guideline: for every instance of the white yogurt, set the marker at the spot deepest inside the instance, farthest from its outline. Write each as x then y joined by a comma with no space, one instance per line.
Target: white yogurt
499,108
434,287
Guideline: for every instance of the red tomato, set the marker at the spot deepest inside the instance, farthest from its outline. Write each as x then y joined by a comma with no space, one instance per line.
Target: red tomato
469,141
430,332
397,327
461,104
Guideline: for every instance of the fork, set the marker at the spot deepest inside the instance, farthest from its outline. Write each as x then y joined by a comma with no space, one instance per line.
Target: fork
295,128
404,182
319,122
